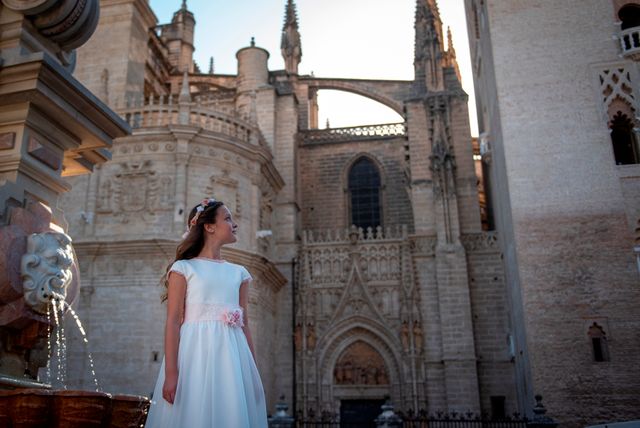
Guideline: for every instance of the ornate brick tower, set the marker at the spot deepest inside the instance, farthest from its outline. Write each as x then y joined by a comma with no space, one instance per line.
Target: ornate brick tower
558,123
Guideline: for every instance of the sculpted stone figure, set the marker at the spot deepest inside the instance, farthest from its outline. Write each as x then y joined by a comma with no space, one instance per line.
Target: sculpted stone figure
297,338
311,336
417,335
46,268
404,336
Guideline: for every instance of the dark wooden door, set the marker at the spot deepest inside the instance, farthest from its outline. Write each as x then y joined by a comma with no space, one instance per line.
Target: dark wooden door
359,413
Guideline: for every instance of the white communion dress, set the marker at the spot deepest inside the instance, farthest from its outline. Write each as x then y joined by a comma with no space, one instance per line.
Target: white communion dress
218,382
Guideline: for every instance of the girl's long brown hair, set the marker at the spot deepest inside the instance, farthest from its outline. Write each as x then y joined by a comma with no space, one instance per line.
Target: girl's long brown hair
191,246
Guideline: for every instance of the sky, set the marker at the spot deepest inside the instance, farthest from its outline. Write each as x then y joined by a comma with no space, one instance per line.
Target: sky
371,39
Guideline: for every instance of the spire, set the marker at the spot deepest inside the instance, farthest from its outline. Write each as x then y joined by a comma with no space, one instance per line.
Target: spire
290,45
429,46
291,15
211,65
450,57
184,5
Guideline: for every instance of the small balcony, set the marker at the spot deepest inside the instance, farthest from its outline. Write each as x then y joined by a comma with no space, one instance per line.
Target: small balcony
630,43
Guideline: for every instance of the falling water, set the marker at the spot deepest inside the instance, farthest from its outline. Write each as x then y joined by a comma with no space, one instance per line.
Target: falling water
58,308
63,346
48,380
58,352
86,344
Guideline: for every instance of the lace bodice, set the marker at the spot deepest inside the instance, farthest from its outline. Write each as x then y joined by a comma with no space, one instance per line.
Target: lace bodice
213,289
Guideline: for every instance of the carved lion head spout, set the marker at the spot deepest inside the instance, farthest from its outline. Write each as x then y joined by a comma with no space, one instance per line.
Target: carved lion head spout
46,269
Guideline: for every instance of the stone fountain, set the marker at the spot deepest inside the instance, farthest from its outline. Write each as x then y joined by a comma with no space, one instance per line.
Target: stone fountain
50,127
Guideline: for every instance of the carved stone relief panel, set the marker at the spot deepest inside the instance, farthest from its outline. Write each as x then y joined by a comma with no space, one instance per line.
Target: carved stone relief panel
360,364
382,262
387,300
328,265
266,209
225,188
134,189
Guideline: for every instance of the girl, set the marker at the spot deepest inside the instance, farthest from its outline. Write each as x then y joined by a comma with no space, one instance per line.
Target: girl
208,377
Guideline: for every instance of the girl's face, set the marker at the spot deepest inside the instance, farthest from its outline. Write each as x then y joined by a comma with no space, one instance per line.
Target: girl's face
224,229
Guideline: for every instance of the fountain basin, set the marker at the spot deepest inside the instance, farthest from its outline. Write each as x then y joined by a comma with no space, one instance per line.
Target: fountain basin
27,408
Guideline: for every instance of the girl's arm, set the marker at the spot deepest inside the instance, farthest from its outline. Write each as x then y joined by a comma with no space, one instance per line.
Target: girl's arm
177,287
244,303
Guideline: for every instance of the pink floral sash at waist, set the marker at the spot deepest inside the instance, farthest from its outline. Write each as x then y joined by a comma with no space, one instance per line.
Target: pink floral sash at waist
228,314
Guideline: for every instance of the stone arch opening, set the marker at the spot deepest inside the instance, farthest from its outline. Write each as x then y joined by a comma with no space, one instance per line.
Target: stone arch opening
364,109
363,333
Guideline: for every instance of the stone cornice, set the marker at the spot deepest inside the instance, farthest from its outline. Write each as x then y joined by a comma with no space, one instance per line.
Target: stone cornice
266,270
150,18
39,81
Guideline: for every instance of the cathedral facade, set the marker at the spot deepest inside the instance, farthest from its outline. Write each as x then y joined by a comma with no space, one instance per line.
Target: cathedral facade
373,274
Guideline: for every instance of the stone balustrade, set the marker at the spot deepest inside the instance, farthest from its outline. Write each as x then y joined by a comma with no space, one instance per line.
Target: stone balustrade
354,133
355,234
203,113
630,43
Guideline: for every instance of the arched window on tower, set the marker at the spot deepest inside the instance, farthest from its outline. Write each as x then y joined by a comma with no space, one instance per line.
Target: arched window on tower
364,194
629,15
599,345
623,138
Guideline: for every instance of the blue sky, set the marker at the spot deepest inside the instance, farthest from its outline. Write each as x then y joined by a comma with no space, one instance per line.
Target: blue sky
340,38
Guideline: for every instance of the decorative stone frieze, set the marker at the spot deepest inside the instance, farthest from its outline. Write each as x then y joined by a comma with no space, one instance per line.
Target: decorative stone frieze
423,246
481,242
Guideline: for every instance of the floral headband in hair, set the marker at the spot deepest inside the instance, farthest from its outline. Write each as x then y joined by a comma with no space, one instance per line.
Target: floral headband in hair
199,209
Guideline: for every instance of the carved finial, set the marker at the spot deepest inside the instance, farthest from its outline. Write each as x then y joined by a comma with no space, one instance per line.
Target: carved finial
429,46
185,95
450,47
211,65
451,60
290,45
328,124
184,5
253,41
290,16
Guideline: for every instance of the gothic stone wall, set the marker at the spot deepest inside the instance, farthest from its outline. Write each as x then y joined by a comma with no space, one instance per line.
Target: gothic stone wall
491,328
323,170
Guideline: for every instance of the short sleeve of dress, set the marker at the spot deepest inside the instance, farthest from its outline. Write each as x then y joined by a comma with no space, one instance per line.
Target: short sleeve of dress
244,274
179,267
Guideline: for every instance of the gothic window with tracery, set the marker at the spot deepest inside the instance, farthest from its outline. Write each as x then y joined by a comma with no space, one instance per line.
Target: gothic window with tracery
364,192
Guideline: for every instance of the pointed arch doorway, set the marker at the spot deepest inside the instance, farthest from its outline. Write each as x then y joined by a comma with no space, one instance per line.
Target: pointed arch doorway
360,384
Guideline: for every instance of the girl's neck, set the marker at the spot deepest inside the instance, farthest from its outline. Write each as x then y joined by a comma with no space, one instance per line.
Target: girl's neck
211,251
